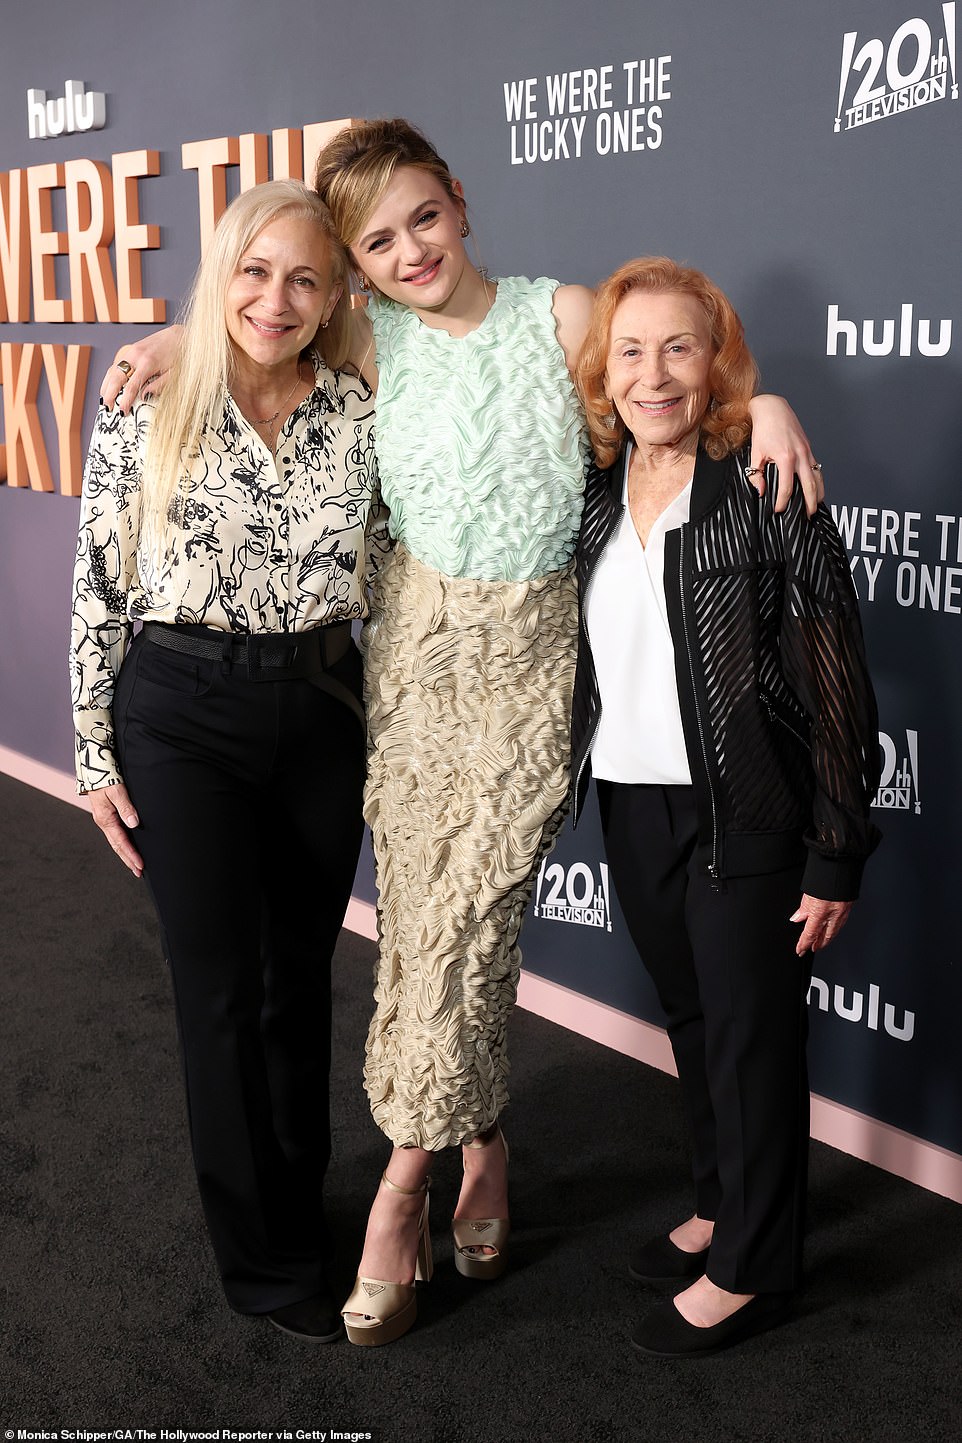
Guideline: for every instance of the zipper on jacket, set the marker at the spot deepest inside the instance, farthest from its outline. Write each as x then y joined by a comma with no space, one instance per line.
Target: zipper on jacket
774,717
583,625
714,870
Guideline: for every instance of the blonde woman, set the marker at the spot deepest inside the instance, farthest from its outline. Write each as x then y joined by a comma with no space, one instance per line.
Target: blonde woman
469,668
223,746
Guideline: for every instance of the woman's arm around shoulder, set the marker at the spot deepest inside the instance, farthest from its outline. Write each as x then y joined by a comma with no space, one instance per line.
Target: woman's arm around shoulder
778,437
572,312
149,360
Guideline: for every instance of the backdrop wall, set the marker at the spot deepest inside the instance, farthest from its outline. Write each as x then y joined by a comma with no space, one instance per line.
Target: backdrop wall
806,156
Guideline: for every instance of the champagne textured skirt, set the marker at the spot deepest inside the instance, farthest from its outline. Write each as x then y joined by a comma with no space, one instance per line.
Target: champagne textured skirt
468,691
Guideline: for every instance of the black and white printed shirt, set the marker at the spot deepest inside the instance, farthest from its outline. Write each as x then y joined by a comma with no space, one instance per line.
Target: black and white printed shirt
259,543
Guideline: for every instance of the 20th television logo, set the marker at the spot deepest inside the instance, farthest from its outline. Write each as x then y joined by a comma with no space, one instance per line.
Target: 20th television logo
899,781
915,68
571,894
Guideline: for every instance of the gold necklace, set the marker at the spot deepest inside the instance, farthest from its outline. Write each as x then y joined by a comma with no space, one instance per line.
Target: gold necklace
271,421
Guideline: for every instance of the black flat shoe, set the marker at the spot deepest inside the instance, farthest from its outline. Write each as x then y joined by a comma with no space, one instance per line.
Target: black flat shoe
314,1320
661,1262
666,1334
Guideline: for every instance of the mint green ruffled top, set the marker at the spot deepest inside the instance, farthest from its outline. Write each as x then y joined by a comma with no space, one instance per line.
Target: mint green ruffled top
480,439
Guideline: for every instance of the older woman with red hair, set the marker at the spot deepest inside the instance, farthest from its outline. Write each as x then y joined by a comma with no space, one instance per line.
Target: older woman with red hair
722,703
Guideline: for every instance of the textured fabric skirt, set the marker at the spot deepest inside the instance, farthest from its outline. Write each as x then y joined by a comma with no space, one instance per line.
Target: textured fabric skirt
468,692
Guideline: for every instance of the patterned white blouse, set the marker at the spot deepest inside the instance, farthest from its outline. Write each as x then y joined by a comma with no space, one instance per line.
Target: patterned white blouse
261,543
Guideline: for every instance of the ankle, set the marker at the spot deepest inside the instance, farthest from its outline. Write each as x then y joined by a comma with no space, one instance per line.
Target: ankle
395,1187
693,1235
483,1139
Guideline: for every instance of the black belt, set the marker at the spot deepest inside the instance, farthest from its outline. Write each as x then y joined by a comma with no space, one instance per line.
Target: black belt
272,656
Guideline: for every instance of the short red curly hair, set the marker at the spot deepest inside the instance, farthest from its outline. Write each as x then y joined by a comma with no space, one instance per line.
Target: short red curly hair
732,379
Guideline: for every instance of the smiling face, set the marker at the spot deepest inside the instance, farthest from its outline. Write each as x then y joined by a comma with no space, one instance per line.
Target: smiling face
410,246
659,358
281,291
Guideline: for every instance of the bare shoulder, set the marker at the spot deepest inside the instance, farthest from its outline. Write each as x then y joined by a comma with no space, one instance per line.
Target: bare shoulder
572,312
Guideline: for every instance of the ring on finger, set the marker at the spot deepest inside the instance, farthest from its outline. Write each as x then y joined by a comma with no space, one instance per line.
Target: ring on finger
753,470
816,465
126,367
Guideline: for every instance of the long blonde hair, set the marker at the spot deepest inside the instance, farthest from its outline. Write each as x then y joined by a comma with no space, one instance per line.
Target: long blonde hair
193,397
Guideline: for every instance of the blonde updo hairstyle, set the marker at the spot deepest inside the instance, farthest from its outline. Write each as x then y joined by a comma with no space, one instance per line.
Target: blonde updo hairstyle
732,379
355,169
193,397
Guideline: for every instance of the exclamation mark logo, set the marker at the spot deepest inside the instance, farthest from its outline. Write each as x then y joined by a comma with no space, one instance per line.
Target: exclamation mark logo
540,883
603,869
912,741
848,50
948,16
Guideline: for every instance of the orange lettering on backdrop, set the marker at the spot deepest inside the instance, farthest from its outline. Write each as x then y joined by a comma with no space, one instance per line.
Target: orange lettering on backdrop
45,242
293,155
131,237
287,155
210,159
66,368
102,205
253,161
27,462
315,139
90,229
14,247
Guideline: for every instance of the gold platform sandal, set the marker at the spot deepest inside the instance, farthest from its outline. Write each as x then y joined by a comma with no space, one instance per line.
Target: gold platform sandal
471,1236
379,1312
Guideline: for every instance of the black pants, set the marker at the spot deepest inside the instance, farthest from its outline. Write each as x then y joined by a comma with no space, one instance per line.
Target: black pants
249,797
734,995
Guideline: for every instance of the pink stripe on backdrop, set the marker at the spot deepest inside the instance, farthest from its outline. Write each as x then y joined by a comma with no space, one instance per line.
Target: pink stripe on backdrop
46,779
863,1137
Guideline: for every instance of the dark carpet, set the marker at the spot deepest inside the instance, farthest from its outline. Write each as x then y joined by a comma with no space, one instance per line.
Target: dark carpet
111,1312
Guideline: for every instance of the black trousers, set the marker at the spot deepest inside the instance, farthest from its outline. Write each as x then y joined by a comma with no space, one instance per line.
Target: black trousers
734,995
249,797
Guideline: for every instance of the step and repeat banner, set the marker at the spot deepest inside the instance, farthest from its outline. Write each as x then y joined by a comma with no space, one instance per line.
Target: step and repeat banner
806,156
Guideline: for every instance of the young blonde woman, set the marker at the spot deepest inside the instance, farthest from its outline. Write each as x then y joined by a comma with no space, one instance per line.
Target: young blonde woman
469,669
223,746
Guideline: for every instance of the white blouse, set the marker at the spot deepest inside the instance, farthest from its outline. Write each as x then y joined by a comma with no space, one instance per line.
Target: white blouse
640,738
261,543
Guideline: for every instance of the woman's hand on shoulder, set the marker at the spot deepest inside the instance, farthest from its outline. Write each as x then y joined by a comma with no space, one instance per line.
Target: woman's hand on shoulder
114,813
572,312
777,436
149,360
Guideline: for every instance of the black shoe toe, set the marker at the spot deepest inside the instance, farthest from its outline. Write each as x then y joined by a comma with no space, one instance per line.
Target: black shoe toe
659,1261
666,1334
314,1320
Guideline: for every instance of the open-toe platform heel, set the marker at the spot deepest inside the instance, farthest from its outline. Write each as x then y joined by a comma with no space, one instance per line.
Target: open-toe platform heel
379,1312
472,1235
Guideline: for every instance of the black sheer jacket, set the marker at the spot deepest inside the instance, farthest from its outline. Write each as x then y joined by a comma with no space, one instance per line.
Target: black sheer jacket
778,710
